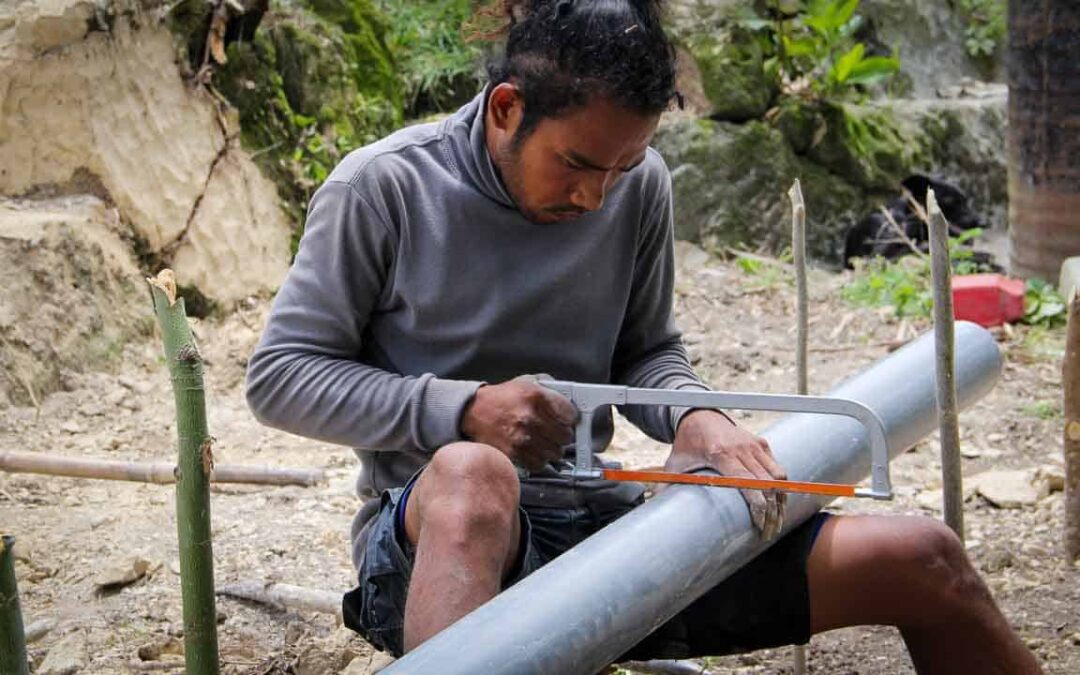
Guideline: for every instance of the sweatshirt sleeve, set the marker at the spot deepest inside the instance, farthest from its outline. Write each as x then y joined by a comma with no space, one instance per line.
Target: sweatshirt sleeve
650,351
305,376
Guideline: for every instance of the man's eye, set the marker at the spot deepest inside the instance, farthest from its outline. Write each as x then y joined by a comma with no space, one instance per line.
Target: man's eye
572,164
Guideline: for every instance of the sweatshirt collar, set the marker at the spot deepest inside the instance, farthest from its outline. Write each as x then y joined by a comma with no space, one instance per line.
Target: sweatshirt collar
470,149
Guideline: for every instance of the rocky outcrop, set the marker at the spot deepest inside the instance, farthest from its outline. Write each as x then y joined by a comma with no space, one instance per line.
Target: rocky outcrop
730,183
107,113
110,159
929,36
70,292
730,180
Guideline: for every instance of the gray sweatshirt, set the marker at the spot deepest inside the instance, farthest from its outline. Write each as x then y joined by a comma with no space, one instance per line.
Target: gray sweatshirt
417,280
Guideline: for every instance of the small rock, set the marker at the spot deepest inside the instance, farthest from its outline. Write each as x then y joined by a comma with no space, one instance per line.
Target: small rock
39,629
155,650
174,567
330,654
1053,475
1009,489
65,657
931,500
995,437
71,427
368,664
122,572
99,520
1075,638
997,559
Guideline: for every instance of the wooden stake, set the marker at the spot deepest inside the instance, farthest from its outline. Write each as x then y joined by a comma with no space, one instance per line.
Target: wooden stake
802,311
285,596
802,319
952,482
162,473
1070,382
12,638
193,479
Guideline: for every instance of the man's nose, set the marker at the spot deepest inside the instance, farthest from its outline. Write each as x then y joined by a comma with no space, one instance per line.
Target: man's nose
589,193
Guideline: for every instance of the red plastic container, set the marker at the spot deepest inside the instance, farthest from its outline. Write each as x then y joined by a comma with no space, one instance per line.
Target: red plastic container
988,299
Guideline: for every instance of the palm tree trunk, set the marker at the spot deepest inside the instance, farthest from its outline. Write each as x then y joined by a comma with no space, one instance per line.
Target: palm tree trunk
1044,135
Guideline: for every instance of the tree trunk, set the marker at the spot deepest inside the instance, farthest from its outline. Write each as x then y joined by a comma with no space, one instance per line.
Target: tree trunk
1070,380
193,479
1044,142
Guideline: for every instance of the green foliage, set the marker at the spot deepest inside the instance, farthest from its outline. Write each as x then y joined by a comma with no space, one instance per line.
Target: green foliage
1043,305
905,284
1044,410
813,49
316,81
439,67
766,274
985,29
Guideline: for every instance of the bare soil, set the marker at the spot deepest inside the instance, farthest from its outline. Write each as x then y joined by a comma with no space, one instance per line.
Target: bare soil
739,328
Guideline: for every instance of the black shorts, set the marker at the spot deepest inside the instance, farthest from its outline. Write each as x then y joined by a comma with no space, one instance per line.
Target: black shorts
764,604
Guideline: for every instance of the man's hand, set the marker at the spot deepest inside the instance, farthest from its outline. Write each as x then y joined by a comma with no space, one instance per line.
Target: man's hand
708,439
529,423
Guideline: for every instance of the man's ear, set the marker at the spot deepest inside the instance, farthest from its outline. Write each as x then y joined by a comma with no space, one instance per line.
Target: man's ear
505,106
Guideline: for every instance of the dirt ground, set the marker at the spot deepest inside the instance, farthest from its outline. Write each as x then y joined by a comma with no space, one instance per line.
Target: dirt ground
739,328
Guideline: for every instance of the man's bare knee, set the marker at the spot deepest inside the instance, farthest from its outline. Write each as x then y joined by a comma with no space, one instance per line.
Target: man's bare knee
470,487
930,555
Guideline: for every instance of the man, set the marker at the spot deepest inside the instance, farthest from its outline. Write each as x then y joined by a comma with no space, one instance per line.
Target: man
531,232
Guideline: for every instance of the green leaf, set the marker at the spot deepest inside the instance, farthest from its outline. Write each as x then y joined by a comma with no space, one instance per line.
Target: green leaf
843,9
873,69
844,65
802,46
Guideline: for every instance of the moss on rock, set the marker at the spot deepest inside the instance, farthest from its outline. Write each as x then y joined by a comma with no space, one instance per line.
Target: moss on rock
315,81
865,145
733,74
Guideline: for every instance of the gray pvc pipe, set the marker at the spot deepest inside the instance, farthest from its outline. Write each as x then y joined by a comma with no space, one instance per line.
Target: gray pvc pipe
590,605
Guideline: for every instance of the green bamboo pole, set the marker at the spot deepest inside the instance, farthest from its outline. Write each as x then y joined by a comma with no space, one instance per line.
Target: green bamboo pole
193,480
12,638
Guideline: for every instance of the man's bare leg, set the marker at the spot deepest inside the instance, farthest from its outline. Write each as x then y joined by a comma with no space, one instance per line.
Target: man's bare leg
462,517
912,573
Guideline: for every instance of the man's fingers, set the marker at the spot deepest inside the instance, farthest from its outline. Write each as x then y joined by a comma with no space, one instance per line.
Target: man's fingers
755,500
559,407
765,457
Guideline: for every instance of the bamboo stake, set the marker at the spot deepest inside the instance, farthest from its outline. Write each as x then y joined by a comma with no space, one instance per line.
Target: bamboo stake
802,322
802,306
192,485
952,482
12,638
1070,381
161,473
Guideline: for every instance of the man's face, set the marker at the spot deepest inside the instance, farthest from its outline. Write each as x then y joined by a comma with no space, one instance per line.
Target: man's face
565,166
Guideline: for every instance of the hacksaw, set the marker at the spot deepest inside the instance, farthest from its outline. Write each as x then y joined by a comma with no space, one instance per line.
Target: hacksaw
586,398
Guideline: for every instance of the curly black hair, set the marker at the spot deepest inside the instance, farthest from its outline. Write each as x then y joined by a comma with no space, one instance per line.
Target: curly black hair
560,53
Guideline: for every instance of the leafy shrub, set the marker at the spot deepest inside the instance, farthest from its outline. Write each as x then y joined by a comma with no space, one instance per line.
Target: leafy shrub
985,28
905,284
438,66
814,50
1043,305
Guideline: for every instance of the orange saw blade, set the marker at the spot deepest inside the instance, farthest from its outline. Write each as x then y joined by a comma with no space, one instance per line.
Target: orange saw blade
832,489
